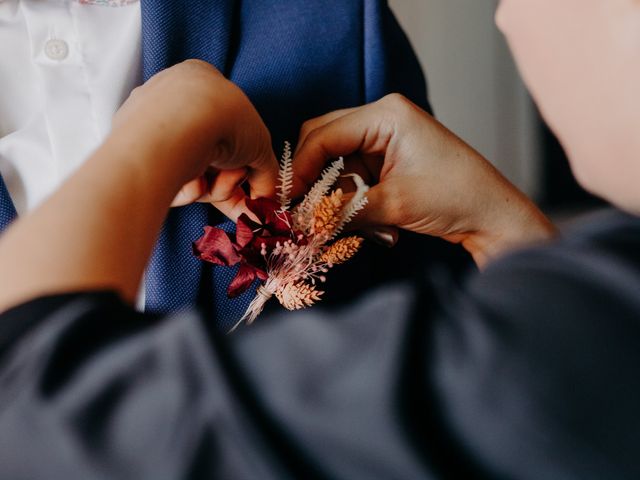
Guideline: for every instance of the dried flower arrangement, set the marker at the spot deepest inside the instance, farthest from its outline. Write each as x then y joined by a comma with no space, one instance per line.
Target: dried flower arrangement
290,249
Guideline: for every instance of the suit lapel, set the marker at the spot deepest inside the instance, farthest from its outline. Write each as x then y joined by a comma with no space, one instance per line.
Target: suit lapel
173,31
7,209
176,30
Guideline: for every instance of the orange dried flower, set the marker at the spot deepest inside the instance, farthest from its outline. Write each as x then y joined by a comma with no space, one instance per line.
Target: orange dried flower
294,296
327,214
288,248
342,250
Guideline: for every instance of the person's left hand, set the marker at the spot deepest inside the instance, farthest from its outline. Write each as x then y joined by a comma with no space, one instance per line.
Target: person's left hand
192,113
423,178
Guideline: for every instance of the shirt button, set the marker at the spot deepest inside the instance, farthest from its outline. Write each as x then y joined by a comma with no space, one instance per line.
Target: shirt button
56,49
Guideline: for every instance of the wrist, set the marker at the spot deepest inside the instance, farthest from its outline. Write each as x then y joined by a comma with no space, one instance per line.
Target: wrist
145,165
161,154
519,224
175,151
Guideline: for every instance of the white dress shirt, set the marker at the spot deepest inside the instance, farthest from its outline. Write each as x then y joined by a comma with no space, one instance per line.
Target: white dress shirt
65,68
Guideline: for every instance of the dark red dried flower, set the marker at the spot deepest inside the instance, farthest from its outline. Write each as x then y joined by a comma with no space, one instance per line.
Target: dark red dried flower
245,247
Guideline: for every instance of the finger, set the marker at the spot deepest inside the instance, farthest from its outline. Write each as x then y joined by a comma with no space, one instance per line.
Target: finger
214,186
234,205
317,122
358,131
190,192
381,210
224,184
384,235
263,175
366,167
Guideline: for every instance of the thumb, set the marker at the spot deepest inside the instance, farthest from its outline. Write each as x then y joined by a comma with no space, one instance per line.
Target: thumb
384,236
374,221
378,211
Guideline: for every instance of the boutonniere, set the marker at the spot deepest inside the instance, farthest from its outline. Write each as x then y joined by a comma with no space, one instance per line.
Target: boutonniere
290,249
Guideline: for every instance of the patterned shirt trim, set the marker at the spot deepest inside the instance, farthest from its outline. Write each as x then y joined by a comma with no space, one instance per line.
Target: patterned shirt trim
107,3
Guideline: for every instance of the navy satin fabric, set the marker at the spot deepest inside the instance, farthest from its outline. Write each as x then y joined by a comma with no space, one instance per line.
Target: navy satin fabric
528,371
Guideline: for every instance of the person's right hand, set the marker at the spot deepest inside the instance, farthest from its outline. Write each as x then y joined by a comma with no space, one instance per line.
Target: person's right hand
208,131
425,179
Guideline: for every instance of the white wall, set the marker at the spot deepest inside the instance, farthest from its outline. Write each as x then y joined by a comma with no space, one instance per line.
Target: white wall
474,87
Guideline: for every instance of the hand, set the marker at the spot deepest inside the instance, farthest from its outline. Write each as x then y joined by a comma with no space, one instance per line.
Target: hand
425,179
184,121
205,131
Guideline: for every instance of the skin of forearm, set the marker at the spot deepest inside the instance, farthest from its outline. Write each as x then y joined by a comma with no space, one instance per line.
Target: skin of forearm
512,222
97,231
530,228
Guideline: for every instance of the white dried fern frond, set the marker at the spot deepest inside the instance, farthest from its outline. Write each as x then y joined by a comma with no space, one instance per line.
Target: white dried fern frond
293,267
303,215
285,177
355,205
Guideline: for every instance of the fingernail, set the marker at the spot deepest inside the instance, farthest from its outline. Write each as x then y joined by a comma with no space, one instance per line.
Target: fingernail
241,183
385,237
179,200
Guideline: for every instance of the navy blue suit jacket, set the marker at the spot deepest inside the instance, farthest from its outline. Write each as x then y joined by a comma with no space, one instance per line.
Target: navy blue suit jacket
295,59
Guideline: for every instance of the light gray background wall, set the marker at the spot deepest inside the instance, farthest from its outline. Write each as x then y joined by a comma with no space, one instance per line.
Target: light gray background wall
474,86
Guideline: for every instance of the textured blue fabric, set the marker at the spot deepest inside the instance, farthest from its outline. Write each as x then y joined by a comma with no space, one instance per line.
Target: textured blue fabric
7,210
295,59
171,32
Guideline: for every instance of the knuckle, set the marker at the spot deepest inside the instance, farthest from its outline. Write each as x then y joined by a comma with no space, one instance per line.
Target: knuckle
396,102
315,143
220,197
194,63
307,128
136,92
199,71
313,136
